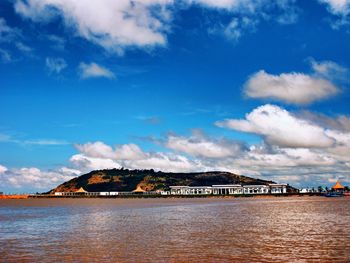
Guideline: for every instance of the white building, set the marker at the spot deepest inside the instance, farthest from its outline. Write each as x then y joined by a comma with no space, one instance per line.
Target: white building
278,188
229,189
256,189
190,190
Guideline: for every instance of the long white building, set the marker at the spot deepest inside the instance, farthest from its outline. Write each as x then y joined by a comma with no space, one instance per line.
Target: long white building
229,189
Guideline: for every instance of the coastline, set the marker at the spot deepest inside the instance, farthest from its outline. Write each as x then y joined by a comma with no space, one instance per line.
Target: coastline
14,196
140,196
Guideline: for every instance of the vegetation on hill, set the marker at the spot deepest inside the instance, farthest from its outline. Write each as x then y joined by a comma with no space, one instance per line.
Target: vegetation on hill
149,180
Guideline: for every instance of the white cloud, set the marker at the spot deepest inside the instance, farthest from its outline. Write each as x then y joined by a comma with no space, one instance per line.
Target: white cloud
340,9
96,150
200,146
117,25
55,65
94,70
235,29
337,7
111,24
286,157
166,162
3,169
295,88
33,179
86,164
281,128
247,6
330,70
101,156
247,14
101,150
341,123
129,152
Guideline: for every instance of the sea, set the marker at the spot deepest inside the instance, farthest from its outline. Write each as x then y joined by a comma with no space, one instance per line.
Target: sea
275,229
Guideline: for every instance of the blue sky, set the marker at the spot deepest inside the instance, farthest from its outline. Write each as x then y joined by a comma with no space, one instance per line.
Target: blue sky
258,88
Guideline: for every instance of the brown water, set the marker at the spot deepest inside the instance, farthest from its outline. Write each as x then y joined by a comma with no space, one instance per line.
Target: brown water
293,229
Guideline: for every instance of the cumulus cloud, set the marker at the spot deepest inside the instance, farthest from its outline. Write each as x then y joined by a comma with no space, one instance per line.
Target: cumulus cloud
55,65
94,70
101,150
33,179
86,163
281,128
98,155
297,165
167,162
201,146
113,25
295,88
302,148
284,157
117,25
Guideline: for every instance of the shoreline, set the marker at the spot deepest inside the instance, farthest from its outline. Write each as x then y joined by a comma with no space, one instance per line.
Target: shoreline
14,196
140,196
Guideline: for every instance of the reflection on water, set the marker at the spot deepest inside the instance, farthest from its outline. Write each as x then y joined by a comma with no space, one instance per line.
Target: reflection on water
175,230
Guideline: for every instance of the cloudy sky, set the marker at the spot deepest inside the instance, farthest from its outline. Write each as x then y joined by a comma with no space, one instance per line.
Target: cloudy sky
255,87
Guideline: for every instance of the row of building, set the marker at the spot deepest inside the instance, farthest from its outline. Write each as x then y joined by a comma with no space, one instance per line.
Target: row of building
231,189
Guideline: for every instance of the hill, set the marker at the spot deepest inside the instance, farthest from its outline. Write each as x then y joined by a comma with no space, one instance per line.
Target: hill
149,180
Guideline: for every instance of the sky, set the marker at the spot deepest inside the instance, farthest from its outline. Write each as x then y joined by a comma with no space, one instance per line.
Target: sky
257,88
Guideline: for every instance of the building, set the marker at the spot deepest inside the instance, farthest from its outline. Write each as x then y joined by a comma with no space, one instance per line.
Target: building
278,188
190,190
229,189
